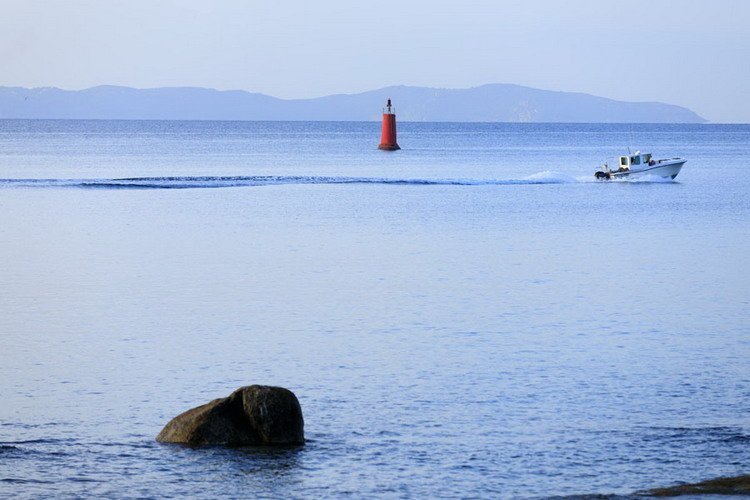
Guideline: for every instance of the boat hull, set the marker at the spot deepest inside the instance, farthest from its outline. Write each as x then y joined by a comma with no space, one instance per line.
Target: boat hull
664,169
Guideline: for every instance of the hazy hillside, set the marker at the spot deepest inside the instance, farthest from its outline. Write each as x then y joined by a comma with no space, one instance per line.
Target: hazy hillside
488,103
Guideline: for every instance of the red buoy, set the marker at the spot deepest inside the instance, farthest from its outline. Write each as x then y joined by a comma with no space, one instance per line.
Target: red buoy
388,135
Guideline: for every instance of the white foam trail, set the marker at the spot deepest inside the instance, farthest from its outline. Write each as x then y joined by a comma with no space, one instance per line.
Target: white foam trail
186,182
549,177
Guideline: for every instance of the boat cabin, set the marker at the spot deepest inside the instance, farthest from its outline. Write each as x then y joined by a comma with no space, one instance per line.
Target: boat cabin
635,160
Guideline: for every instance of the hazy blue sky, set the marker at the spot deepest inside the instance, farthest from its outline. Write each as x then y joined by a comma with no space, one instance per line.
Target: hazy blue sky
694,53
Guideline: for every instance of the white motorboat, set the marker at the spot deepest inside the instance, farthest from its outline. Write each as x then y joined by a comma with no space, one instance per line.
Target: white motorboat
642,164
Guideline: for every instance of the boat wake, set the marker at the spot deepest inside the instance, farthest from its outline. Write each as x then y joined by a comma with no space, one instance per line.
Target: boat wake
192,182
647,179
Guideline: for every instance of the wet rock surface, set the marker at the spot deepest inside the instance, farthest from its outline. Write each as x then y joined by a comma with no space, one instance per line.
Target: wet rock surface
737,485
255,415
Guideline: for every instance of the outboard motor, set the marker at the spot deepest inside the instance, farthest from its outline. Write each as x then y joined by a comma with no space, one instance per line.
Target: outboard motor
604,173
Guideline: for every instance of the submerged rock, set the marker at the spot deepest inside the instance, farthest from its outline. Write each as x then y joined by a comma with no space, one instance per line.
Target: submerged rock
250,416
738,485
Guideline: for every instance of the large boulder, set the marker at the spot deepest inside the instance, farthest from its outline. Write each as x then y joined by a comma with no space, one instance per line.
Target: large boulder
250,416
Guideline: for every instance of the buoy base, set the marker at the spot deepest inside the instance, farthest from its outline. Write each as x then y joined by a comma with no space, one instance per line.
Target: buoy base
389,147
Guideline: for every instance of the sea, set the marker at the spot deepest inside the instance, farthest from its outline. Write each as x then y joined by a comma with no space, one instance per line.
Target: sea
471,316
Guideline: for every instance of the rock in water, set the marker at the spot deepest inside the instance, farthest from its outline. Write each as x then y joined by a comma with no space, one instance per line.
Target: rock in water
739,485
250,416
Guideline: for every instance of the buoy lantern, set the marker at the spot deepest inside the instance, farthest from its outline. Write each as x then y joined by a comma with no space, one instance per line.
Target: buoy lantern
388,134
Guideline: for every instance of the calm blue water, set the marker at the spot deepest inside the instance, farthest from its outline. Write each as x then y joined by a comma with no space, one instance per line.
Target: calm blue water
469,316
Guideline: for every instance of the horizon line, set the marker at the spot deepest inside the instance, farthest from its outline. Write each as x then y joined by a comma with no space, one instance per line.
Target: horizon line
367,121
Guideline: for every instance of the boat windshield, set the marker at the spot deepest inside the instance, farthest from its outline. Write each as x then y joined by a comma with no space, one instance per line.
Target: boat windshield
635,160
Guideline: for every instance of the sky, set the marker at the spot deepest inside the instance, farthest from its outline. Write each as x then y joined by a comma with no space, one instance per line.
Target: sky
694,53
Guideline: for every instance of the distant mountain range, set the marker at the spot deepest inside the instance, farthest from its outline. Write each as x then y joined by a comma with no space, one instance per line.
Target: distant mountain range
488,103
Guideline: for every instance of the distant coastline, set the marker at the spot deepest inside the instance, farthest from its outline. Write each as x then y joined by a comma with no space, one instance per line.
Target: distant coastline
487,103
